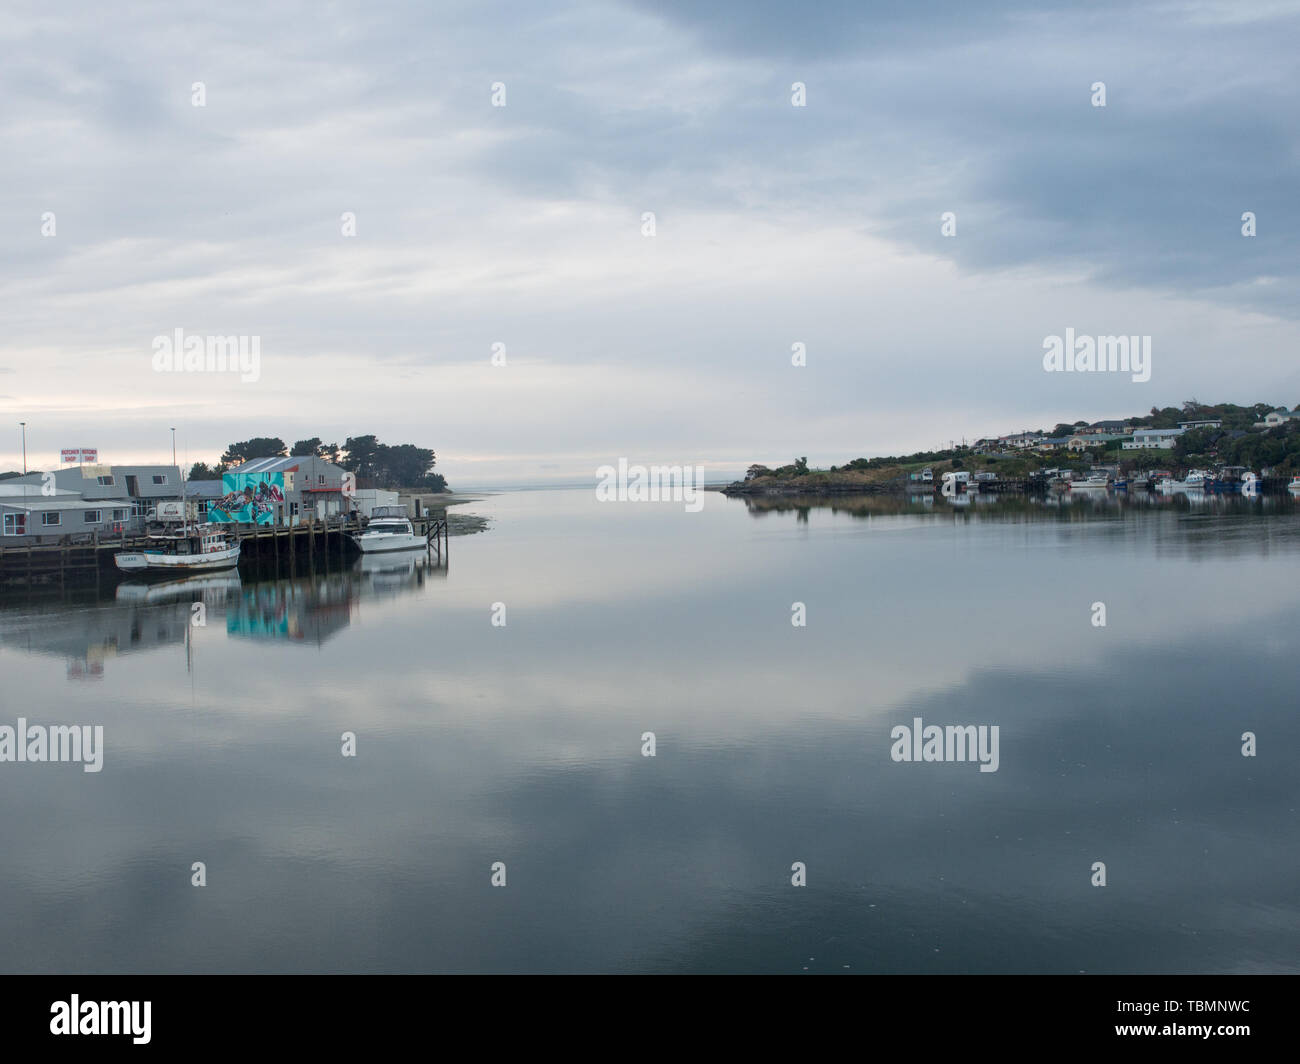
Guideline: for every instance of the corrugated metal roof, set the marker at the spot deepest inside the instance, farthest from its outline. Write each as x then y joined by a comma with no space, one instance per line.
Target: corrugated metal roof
268,465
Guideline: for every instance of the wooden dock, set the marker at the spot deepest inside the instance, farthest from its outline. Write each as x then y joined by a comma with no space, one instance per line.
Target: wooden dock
261,546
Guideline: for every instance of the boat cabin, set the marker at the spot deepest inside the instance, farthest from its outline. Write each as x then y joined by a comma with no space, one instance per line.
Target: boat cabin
201,540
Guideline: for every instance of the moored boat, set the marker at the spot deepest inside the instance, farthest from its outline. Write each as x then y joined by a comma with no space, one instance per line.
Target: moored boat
389,530
1228,479
204,548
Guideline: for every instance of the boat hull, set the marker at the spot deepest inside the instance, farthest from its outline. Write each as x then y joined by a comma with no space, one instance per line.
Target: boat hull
152,564
389,544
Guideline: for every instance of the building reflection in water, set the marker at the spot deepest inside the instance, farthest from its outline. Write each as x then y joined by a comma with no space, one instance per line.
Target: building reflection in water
306,609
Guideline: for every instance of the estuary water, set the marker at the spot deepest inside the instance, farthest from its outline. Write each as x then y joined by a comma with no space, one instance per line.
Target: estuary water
503,708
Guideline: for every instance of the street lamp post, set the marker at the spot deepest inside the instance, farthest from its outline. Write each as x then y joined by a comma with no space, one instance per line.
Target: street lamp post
24,425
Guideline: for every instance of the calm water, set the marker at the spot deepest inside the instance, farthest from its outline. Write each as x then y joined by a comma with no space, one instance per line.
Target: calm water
522,744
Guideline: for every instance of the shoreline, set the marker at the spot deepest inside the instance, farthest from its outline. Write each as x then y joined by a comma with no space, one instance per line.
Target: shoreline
458,524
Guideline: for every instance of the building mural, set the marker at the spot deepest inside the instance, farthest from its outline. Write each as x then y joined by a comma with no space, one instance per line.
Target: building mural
249,498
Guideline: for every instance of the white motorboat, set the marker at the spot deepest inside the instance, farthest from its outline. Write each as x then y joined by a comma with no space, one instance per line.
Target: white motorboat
389,530
1196,481
1098,481
205,548
1294,485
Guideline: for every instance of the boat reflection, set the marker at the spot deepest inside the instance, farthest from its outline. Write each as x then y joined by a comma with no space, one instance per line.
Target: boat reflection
307,609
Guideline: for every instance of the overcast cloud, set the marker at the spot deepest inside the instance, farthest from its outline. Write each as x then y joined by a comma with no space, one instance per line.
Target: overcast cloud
522,224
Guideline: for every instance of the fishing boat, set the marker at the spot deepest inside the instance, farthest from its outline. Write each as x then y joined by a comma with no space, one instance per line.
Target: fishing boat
204,548
1091,483
1194,481
389,530
1229,479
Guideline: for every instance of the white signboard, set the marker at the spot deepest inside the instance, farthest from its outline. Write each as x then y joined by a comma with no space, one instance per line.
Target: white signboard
80,454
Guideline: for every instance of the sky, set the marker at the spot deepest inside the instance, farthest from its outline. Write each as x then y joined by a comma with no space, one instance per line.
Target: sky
129,212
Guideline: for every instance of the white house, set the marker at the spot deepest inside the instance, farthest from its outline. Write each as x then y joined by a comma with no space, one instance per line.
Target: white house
1277,417
1153,439
1082,441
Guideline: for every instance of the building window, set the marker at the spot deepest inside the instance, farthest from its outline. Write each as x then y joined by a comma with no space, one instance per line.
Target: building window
160,478
15,524
119,515
91,517
48,518
105,482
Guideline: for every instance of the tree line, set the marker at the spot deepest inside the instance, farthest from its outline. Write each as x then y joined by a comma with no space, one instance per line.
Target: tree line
401,465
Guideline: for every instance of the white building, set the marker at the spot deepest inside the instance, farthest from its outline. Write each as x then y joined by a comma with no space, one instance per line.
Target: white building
1153,439
1082,442
366,499
1277,417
